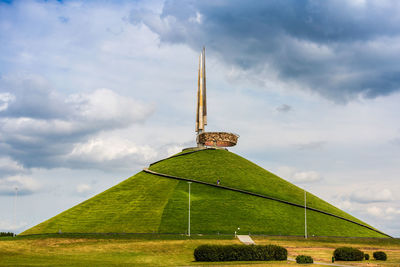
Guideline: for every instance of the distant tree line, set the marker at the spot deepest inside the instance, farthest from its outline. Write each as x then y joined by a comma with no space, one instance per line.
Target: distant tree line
6,234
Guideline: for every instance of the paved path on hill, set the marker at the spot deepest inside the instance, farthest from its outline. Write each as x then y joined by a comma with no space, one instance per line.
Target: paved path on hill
259,195
246,239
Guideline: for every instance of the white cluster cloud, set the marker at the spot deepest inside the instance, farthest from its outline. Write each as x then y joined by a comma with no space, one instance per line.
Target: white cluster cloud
377,206
381,212
369,195
5,98
83,188
110,153
104,105
296,176
366,195
306,177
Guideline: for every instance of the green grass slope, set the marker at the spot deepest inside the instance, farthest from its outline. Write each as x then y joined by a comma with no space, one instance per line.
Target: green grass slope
223,211
146,203
237,172
134,206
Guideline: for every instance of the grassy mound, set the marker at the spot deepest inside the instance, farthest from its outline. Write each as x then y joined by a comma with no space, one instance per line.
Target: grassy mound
147,203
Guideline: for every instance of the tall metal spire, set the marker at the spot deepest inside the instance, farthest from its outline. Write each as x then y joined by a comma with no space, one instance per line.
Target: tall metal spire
203,138
201,111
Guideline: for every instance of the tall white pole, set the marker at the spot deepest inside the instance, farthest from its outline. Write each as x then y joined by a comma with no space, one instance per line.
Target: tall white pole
189,211
305,214
15,207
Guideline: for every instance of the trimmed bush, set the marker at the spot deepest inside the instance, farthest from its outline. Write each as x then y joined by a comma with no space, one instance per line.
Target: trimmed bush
302,259
380,256
275,252
240,253
366,256
348,254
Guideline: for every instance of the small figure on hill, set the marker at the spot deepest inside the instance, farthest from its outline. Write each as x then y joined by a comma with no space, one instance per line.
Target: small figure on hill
218,181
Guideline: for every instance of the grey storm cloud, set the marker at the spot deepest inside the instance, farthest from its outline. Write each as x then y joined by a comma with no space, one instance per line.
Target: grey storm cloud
339,49
284,108
40,126
30,96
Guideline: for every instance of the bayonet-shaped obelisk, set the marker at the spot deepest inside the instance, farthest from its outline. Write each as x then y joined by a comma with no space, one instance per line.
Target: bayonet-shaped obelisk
203,138
201,112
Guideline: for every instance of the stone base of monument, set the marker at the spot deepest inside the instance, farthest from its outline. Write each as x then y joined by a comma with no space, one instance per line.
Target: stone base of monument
217,139
201,147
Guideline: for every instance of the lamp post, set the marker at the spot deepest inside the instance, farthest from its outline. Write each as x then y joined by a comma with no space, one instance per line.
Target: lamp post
189,211
305,214
15,207
237,231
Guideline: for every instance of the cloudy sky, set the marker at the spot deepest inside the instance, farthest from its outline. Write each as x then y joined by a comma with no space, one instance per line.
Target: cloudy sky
93,91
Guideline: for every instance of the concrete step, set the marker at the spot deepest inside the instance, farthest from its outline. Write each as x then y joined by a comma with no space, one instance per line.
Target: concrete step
246,239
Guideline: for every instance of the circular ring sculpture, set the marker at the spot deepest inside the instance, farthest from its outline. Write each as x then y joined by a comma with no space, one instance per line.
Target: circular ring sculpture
217,139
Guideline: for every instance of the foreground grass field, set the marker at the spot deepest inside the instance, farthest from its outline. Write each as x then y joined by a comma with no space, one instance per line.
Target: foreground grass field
169,250
147,203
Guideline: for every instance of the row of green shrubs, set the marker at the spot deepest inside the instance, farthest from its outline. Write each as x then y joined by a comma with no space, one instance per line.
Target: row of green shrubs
353,254
240,253
6,234
345,254
273,253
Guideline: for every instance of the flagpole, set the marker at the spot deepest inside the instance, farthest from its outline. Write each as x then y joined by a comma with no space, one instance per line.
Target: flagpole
305,214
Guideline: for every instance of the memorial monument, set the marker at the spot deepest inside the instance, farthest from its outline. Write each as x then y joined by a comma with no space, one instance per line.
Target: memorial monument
208,139
228,191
